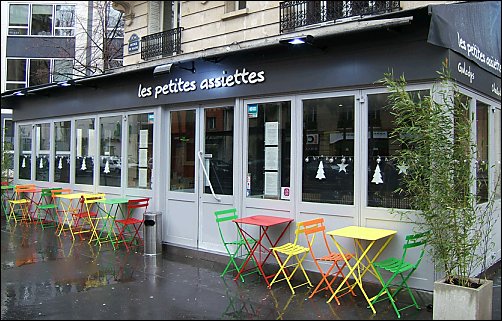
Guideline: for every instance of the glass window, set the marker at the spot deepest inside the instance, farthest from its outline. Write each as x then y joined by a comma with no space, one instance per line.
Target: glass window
62,139
39,71
328,150
110,162
41,20
384,172
8,150
114,23
65,20
183,151
42,145
482,164
63,70
85,151
219,142
16,70
140,151
25,152
18,19
269,149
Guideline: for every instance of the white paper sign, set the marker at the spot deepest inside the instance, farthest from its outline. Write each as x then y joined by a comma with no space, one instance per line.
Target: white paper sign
285,193
271,158
142,177
271,183
143,158
143,138
271,133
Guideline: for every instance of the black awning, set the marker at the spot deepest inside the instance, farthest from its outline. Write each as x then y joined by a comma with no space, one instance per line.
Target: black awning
471,28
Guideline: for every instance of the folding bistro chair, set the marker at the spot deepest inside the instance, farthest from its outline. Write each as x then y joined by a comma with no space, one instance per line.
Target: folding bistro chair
128,228
233,248
311,229
400,267
47,207
20,206
83,220
60,213
291,250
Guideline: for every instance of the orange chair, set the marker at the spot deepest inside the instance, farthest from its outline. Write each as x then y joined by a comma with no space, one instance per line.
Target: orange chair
128,228
314,227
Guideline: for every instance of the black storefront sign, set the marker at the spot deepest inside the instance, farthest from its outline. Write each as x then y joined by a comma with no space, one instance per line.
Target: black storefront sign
471,29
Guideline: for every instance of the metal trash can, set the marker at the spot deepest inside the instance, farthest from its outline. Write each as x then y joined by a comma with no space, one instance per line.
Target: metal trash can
152,233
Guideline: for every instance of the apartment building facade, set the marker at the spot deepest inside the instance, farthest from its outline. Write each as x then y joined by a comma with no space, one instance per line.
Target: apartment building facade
217,107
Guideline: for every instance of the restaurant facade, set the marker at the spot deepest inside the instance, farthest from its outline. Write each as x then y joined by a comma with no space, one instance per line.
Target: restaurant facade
292,131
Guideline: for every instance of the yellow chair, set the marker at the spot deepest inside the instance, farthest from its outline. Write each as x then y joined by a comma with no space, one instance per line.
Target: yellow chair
291,250
20,206
85,220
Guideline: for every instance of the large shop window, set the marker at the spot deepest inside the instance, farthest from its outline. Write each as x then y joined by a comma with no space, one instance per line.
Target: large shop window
269,150
86,149
384,170
110,156
183,151
140,151
328,150
25,135
482,163
42,145
219,149
62,140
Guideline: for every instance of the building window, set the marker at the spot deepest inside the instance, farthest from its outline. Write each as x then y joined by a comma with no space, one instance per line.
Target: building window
114,40
41,20
85,151
183,151
384,171
110,161
42,145
25,151
328,150
62,70
39,72
16,74
231,6
46,20
482,143
7,150
62,142
269,149
18,19
65,21
140,151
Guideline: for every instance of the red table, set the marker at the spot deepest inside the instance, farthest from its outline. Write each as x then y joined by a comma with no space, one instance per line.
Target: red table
264,222
30,194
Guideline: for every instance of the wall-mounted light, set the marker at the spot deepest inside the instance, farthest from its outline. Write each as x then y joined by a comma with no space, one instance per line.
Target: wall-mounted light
166,68
20,93
162,69
298,40
72,82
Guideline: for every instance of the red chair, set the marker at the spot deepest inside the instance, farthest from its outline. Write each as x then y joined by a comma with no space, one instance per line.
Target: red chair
128,228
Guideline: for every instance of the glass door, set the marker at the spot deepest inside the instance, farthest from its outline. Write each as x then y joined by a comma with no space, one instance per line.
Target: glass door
201,170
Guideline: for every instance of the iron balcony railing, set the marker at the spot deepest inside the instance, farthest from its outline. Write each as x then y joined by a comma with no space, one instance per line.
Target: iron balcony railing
296,14
161,44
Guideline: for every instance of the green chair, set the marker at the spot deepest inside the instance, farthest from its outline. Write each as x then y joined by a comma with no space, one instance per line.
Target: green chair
233,248
400,267
47,207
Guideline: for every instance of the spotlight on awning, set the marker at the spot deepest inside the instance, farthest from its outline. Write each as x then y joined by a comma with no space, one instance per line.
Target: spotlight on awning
298,40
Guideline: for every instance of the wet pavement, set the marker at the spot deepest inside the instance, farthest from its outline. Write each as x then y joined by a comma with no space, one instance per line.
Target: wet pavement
46,277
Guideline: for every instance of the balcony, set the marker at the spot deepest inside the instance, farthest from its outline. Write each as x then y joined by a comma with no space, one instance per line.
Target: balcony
162,44
298,14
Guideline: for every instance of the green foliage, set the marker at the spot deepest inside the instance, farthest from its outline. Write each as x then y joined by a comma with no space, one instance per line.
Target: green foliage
438,147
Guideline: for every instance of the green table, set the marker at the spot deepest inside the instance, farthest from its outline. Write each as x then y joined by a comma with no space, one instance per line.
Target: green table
6,197
111,207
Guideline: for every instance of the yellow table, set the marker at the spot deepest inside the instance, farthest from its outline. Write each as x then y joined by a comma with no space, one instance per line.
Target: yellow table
358,234
70,205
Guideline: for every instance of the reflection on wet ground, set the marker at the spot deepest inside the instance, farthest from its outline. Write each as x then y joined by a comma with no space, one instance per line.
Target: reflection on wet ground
50,277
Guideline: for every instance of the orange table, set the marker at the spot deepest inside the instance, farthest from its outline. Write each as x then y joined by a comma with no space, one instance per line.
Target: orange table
370,236
264,222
